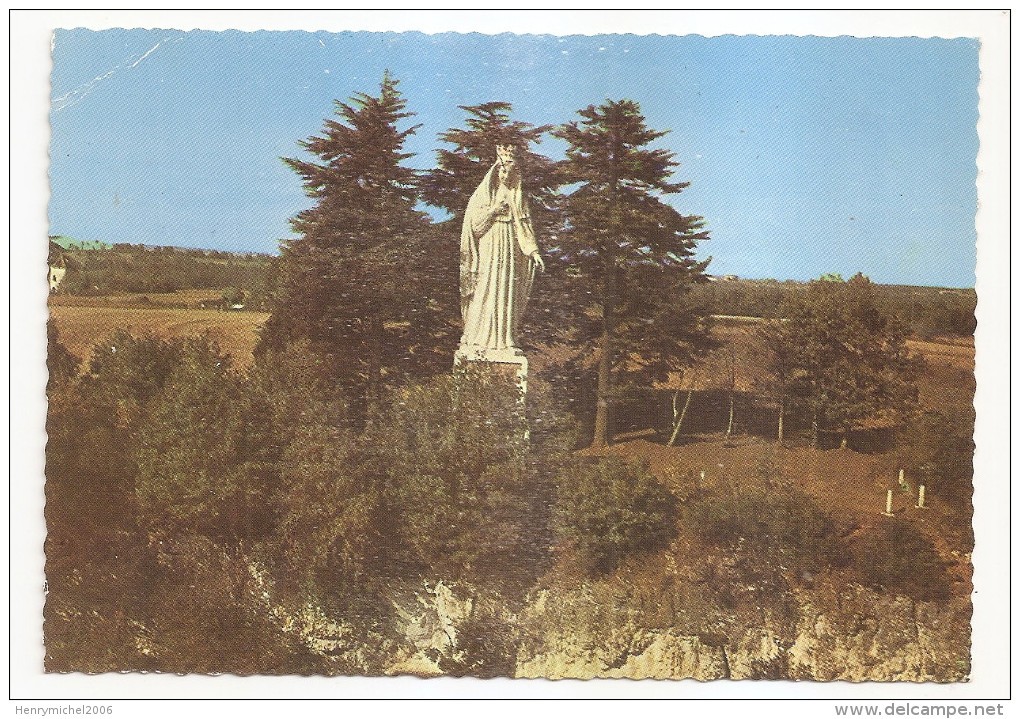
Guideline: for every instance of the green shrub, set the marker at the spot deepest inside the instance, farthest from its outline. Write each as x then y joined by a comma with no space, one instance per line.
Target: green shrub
609,509
335,539
91,423
897,557
198,469
438,486
782,529
466,499
126,371
61,364
292,388
938,453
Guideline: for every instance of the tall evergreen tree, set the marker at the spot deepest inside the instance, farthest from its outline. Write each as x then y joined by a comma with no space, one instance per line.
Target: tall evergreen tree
353,283
629,252
459,170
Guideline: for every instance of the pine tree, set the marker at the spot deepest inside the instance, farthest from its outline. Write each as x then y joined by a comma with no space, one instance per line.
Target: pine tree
627,251
459,170
354,282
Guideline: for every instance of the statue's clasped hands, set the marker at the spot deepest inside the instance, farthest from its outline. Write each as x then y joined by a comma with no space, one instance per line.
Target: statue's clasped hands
501,208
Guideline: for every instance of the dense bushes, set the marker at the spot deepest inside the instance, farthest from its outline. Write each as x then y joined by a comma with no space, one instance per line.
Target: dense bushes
178,489
138,578
766,534
442,484
197,466
781,530
60,363
609,509
896,557
939,453
180,471
774,535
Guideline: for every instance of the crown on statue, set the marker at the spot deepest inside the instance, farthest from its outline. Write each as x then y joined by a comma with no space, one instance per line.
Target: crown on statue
506,154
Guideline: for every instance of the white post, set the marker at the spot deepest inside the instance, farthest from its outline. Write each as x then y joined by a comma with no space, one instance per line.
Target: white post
901,477
888,504
920,498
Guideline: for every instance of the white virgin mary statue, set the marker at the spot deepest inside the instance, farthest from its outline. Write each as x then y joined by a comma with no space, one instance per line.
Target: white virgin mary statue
498,259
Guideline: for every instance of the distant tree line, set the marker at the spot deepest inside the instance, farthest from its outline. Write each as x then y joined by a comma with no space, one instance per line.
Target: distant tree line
141,269
926,311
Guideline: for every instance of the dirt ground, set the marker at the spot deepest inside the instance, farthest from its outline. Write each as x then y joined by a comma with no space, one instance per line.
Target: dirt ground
81,327
849,485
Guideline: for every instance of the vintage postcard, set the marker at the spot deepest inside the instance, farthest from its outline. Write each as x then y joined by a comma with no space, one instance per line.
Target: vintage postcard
549,355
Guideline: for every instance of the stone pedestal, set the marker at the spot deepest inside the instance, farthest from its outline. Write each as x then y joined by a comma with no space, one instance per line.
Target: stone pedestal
511,361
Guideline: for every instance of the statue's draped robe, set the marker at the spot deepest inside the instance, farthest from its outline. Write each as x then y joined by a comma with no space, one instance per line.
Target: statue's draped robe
496,268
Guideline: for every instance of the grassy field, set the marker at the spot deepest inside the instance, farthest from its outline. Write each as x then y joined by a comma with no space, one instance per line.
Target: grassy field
83,325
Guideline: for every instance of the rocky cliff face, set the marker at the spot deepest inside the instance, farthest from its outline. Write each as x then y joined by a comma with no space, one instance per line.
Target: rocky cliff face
619,627
857,635
850,634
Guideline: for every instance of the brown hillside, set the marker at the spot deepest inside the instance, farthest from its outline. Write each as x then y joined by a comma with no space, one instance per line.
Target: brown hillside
851,486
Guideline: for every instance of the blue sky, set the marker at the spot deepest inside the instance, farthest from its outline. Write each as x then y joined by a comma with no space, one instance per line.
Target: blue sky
805,155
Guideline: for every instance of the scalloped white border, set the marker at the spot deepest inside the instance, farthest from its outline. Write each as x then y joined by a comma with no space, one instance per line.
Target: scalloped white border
29,102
